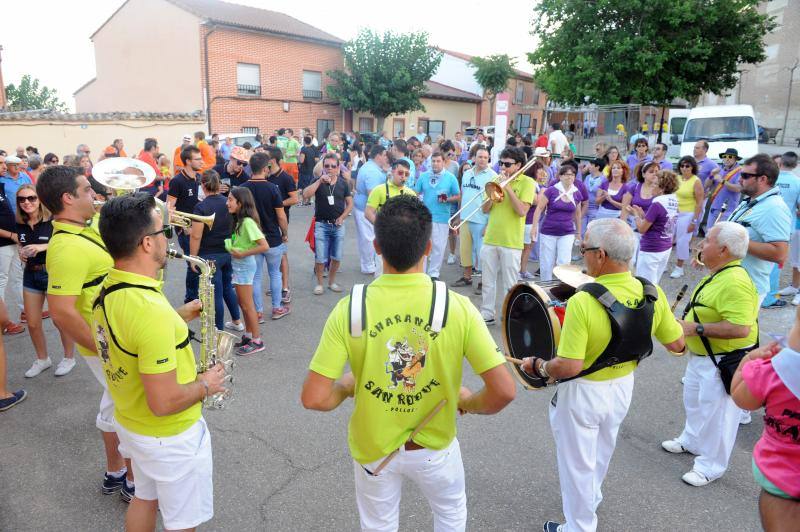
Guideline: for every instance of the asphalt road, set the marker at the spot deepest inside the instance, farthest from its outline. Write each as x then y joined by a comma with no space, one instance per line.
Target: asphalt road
280,467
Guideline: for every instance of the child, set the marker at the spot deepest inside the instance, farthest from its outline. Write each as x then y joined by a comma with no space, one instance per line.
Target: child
245,243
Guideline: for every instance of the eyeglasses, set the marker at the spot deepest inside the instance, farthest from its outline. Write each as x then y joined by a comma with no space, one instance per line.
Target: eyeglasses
584,250
329,166
27,199
167,230
686,166
747,175
402,173
508,164
729,157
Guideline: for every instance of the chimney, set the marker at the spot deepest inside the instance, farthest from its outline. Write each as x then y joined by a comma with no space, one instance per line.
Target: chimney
3,102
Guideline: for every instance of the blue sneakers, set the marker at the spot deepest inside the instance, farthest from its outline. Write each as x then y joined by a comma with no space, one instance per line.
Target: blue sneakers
127,493
112,484
15,399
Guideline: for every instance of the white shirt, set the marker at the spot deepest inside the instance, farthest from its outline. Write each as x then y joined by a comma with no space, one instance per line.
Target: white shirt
558,138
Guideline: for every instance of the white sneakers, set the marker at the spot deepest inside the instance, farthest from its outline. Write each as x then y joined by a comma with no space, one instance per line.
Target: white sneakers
234,326
319,290
451,259
796,300
788,291
38,367
696,479
673,446
677,273
64,367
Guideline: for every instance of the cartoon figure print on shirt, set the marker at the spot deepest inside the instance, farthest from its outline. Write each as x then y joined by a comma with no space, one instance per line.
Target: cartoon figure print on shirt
404,364
102,343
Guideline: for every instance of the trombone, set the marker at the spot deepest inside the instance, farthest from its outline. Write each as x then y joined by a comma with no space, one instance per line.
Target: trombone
125,175
494,191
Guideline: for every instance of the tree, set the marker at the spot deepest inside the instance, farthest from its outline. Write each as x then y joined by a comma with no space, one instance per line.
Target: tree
492,74
29,95
644,51
384,74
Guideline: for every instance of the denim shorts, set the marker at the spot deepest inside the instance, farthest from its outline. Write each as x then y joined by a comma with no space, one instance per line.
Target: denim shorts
35,281
244,270
328,241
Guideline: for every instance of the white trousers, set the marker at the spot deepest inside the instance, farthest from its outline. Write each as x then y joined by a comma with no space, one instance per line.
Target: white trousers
651,265
554,251
439,233
712,418
585,423
440,476
365,233
683,239
500,266
11,279
105,416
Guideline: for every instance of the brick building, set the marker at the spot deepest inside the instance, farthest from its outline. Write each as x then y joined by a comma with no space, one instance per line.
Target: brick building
250,69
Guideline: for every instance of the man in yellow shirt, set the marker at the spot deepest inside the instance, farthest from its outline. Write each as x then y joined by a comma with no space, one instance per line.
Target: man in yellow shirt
595,364
77,263
721,318
395,186
406,350
505,232
150,370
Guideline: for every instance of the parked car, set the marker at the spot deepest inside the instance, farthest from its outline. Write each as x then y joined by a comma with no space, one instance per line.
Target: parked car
239,138
469,133
723,127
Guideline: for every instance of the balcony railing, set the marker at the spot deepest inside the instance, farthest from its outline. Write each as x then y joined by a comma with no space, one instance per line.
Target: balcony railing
312,95
249,90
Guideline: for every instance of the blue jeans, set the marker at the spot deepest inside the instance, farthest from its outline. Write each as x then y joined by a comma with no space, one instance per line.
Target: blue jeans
223,288
774,286
191,278
328,241
273,258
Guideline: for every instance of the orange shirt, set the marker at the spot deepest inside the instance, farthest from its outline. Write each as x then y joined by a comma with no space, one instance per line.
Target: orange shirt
177,164
209,157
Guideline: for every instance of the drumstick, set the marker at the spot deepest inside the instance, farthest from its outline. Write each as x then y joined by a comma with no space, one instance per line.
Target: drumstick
421,425
513,360
679,297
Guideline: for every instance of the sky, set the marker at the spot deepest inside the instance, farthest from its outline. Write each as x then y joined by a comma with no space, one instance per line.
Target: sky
50,39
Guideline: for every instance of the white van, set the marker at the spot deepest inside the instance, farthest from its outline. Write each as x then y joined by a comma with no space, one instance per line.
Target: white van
675,128
723,127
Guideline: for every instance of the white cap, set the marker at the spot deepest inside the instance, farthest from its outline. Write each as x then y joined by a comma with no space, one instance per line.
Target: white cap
13,159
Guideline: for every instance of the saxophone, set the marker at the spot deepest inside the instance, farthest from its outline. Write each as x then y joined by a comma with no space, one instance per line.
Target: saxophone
216,347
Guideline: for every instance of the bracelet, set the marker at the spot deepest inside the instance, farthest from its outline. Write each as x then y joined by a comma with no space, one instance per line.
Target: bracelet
543,370
205,385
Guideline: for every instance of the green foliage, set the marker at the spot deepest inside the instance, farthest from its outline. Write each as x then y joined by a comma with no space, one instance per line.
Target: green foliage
29,95
644,51
493,72
384,74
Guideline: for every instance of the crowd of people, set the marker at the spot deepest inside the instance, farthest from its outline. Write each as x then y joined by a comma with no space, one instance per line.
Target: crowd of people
416,203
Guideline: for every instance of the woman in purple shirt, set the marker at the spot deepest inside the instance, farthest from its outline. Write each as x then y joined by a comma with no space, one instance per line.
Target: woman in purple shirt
561,205
656,225
538,174
639,154
640,192
610,194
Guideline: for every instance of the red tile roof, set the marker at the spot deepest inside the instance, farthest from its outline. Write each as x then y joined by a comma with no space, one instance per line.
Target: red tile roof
445,92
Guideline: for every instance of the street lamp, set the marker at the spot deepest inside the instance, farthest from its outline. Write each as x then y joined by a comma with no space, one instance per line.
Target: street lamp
739,91
789,98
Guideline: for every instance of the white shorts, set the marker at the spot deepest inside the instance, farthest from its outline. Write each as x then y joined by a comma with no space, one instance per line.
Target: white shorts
794,249
528,230
176,471
105,417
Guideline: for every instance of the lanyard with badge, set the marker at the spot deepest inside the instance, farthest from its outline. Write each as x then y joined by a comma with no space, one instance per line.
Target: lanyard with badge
330,194
740,212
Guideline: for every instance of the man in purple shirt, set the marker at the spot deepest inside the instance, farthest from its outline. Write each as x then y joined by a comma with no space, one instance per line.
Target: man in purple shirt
704,165
660,156
724,189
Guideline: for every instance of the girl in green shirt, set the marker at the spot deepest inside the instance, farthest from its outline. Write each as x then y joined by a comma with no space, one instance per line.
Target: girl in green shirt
245,244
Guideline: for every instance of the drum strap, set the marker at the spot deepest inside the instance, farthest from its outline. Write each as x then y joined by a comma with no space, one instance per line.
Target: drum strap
437,319
630,327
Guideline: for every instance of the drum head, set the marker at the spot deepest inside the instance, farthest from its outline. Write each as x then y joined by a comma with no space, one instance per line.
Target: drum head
530,328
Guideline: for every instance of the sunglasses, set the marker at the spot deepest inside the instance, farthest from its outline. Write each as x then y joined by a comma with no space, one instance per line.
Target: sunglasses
27,199
746,175
329,166
167,230
403,173
686,166
729,157
507,164
584,250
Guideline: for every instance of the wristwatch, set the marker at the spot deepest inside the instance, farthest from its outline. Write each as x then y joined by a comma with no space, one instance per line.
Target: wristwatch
700,330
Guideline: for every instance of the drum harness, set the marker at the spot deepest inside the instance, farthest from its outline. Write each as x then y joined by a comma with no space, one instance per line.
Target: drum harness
437,319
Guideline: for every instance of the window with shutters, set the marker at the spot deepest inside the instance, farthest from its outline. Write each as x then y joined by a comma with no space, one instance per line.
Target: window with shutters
248,79
519,95
312,85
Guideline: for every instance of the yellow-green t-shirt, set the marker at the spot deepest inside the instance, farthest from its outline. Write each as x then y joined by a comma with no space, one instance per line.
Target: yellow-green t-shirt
506,228
402,368
377,197
143,323
246,237
74,260
685,194
730,296
587,327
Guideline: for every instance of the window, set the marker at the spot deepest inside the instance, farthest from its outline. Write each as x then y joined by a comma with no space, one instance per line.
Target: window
534,125
250,130
248,79
433,128
536,96
398,128
465,125
523,123
365,124
719,129
312,85
519,95
324,128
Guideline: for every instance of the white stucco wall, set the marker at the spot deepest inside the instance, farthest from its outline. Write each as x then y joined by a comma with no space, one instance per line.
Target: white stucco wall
458,73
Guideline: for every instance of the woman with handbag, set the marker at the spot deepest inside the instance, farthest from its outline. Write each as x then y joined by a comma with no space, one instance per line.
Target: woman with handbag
720,326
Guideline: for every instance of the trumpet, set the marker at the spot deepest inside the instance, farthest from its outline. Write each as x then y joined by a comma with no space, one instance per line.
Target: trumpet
124,175
494,192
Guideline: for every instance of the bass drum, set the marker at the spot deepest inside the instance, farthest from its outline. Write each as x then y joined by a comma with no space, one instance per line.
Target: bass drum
531,327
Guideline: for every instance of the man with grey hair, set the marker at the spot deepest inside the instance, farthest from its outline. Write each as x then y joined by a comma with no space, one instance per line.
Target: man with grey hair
601,343
720,319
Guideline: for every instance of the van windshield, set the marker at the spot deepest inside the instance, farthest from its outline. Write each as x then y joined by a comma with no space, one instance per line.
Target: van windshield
677,124
720,128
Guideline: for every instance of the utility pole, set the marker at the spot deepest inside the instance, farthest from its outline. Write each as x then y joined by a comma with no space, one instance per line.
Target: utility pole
789,99
739,91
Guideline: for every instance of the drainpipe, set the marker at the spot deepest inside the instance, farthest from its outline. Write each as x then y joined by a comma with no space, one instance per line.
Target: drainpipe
208,90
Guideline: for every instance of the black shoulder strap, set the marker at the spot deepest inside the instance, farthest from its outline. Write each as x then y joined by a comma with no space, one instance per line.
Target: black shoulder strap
92,240
599,292
693,301
437,318
358,310
440,302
